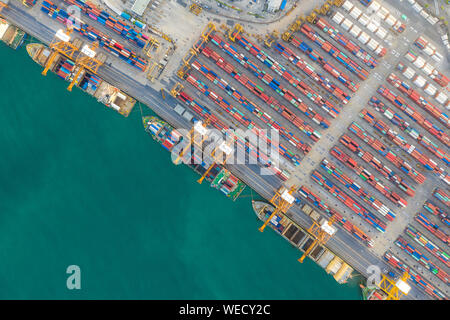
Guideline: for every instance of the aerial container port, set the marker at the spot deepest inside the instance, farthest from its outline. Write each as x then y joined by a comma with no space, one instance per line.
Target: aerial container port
347,178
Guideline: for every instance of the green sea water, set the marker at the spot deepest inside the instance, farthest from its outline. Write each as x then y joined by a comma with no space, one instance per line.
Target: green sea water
82,185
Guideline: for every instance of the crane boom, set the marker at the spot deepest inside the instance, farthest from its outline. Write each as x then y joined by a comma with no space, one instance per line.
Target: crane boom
282,200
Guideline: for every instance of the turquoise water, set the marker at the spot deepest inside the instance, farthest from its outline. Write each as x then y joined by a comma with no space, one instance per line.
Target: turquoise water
80,184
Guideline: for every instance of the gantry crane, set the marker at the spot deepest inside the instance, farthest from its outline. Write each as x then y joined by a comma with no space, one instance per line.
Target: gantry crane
282,201
237,29
176,89
224,147
395,290
195,9
162,94
322,233
3,5
270,38
199,128
87,59
61,44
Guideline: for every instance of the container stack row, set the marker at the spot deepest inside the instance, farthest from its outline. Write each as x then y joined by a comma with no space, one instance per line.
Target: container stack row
427,67
384,170
382,149
400,103
274,84
236,114
423,241
427,87
424,44
270,101
249,105
415,277
331,169
64,68
380,12
397,120
316,57
337,54
110,22
312,73
422,259
282,71
401,142
341,220
203,113
361,36
415,96
110,45
351,46
368,177
336,192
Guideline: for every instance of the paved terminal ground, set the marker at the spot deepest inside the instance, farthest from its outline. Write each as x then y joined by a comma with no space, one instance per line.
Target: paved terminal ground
137,85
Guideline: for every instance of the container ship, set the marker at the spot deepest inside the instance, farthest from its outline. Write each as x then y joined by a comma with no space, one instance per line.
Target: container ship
66,69
300,238
11,35
219,177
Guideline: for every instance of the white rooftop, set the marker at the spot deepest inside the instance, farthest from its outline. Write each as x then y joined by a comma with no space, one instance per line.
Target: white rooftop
286,196
139,6
403,286
200,128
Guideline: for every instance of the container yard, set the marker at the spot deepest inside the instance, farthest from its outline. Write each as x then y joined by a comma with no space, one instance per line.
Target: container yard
356,90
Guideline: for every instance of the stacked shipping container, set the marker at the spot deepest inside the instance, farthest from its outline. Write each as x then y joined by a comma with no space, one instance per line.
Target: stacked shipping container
92,34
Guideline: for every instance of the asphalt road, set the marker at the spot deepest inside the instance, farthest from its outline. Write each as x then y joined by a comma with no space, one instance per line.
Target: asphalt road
342,243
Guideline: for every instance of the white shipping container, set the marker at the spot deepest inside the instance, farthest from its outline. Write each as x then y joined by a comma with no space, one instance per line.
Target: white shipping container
437,57
374,6
338,17
428,69
364,19
430,89
381,32
383,13
348,5
355,31
390,20
420,62
409,72
363,38
346,24
419,81
373,44
432,20
424,14
412,1
355,13
417,7
410,57
441,98
373,26
428,50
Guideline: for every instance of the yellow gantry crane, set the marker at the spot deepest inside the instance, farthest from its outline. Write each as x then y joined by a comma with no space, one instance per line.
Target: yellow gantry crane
395,290
3,5
61,44
270,38
176,89
237,29
87,59
322,233
282,201
195,9
225,148
199,129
